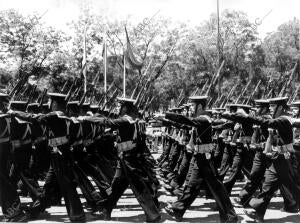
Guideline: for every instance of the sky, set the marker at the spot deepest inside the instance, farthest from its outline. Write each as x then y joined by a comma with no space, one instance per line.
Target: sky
60,12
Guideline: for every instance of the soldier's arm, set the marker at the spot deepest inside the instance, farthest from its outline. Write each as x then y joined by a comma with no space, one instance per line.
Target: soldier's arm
226,125
246,119
180,119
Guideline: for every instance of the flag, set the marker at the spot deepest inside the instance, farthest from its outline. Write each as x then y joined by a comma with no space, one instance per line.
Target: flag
131,61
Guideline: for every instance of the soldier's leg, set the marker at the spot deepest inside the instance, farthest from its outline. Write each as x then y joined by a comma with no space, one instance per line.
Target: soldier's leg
289,202
190,192
63,172
248,156
41,158
270,185
236,168
9,199
177,162
227,160
216,188
178,181
135,176
218,153
21,170
175,156
289,175
167,153
260,163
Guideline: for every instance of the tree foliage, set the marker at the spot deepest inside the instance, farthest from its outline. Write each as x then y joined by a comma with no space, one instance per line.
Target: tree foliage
28,45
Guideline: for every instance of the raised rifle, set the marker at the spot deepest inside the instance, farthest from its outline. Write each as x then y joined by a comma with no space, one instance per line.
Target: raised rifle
243,92
42,97
31,94
19,85
112,98
147,105
64,86
71,90
203,88
82,100
229,95
137,86
180,98
215,78
287,84
294,96
267,87
252,95
105,94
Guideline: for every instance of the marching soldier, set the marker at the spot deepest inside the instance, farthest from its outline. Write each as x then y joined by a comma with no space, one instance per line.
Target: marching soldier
128,170
10,201
60,174
203,169
284,164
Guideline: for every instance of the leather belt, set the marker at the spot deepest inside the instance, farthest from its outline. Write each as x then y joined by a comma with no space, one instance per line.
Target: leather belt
78,142
126,146
19,143
59,141
258,146
204,148
40,139
88,142
3,140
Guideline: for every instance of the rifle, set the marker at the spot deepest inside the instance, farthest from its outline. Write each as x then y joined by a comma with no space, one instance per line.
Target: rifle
255,90
19,85
287,84
270,93
112,98
148,104
42,97
180,98
215,78
64,86
160,70
69,94
219,103
203,88
294,96
229,95
19,94
104,95
137,86
243,92
82,99
31,95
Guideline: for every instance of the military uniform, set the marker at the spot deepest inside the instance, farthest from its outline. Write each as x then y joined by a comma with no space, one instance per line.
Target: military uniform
284,164
203,173
60,173
128,169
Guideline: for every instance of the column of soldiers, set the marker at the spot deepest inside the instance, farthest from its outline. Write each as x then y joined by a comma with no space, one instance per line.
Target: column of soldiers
205,152
73,144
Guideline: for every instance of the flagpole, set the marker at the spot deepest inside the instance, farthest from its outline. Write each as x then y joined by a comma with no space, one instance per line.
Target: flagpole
124,77
84,59
105,66
218,47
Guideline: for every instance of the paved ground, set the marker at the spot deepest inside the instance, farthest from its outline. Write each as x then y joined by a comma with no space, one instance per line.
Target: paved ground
128,210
